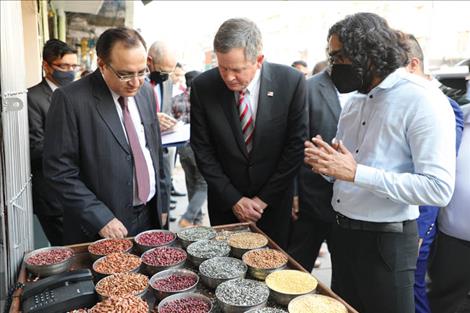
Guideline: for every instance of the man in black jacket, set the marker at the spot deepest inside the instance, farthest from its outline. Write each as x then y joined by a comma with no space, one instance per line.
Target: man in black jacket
59,66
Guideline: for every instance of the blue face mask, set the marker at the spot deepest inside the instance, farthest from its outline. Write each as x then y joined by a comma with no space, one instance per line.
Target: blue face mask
63,78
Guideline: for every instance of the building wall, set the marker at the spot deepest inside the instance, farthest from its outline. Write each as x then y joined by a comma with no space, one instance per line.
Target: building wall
31,41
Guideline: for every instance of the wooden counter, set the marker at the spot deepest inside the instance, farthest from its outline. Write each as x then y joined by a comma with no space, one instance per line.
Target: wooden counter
82,260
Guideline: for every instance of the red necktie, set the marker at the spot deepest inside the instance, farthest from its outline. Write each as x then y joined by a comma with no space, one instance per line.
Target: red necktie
246,120
141,170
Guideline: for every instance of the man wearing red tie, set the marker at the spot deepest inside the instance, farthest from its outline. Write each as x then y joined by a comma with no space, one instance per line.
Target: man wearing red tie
248,123
102,150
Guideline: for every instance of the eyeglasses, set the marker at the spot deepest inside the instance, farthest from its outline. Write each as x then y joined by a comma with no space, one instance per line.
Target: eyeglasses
128,77
66,66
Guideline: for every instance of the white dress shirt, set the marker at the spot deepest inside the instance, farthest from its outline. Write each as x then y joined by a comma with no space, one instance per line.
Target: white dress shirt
139,127
402,136
454,219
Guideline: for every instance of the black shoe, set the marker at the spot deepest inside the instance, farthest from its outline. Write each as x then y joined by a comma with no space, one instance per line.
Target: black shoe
172,200
172,219
175,193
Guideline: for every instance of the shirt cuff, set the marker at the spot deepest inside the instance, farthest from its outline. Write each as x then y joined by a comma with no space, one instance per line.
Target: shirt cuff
366,176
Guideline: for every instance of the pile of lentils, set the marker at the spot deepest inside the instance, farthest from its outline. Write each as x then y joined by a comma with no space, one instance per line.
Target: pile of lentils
197,233
117,263
247,240
268,310
122,284
186,305
125,304
206,249
223,268
291,282
154,238
265,258
49,257
107,246
242,292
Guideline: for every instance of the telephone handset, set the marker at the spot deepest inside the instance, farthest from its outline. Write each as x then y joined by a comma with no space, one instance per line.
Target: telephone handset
60,293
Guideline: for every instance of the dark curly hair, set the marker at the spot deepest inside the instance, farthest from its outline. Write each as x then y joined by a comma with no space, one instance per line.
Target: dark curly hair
374,48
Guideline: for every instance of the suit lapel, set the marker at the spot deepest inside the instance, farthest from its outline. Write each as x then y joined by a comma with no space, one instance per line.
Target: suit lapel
329,93
107,109
229,107
265,103
46,89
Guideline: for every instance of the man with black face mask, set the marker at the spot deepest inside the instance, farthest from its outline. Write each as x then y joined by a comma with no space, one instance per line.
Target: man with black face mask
394,150
60,66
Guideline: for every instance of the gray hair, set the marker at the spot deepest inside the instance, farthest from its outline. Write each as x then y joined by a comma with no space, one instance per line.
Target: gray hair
239,33
158,51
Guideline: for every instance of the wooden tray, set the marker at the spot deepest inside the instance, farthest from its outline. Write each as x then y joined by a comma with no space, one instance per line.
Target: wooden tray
82,259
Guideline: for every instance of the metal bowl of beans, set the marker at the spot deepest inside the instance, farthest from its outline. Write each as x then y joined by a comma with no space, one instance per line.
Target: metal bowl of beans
115,263
162,258
246,241
240,295
49,261
127,303
262,262
107,246
185,302
286,285
217,270
154,238
267,310
122,284
316,303
202,250
173,281
192,234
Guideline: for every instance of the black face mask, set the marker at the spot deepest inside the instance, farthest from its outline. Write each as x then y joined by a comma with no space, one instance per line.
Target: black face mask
158,77
345,78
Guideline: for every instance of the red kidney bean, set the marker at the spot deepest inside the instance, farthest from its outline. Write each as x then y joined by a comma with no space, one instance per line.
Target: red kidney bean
155,238
186,305
174,283
164,256
49,257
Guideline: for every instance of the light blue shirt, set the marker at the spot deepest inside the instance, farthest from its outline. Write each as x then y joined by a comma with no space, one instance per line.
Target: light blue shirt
402,136
454,219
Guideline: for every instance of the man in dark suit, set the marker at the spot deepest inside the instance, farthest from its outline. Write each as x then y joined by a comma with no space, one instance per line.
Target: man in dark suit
59,66
248,120
103,147
315,216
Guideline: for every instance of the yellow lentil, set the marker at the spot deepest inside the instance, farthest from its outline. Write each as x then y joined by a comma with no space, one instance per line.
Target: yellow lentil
247,240
291,282
316,304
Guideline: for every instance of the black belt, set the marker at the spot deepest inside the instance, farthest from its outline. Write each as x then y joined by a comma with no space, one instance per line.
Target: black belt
348,223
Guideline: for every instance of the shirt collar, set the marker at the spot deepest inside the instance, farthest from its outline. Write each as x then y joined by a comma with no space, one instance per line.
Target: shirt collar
392,79
52,85
254,82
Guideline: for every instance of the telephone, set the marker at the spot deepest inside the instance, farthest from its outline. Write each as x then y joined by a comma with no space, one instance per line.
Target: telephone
60,293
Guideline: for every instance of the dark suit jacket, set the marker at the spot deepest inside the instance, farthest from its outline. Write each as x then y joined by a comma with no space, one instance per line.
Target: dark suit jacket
324,109
88,160
268,172
45,202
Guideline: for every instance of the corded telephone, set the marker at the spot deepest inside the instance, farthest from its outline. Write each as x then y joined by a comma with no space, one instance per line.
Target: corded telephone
60,293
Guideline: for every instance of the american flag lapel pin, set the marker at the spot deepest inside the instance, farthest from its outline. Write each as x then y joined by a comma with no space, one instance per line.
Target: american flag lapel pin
270,93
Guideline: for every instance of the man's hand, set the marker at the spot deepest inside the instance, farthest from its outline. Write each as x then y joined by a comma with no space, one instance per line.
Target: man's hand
326,160
247,210
295,208
114,229
166,121
261,204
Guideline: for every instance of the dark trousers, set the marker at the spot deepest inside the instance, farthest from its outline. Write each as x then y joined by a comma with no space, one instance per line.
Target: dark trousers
143,219
307,235
374,270
450,274
53,227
